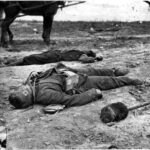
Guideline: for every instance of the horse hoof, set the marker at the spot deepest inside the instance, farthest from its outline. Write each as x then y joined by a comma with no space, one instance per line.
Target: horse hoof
11,42
47,42
4,45
11,48
53,42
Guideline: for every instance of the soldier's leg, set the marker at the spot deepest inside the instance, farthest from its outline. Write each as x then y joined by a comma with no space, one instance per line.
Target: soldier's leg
93,71
42,58
101,72
90,71
107,83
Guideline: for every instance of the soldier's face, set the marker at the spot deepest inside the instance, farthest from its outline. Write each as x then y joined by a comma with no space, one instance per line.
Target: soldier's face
21,98
25,90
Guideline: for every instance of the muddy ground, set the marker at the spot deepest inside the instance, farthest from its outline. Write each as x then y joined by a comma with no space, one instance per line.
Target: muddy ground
122,45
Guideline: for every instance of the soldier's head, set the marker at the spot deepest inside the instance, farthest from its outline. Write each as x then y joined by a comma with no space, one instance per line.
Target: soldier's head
21,98
86,59
90,54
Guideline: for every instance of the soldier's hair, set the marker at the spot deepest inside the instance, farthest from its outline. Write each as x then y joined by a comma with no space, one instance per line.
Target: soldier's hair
15,100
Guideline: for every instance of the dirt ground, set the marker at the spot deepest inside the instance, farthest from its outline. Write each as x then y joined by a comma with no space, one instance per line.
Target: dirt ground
122,45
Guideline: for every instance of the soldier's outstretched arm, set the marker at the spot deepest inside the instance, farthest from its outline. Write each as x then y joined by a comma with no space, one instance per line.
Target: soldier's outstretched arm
55,97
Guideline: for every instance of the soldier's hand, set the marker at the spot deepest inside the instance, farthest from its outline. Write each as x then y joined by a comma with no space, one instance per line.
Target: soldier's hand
34,75
99,93
96,93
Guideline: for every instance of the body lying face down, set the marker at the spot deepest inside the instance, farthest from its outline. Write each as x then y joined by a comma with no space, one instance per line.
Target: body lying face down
52,56
69,87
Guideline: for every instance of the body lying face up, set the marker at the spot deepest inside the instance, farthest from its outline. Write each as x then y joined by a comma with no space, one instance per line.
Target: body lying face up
68,86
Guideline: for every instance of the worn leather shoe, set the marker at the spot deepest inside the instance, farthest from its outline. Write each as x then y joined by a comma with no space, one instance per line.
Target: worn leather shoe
137,82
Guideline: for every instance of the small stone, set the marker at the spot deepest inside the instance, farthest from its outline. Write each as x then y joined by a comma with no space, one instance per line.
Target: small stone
28,121
148,136
46,143
3,136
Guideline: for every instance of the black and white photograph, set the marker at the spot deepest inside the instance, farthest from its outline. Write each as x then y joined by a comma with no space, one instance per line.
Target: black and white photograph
74,74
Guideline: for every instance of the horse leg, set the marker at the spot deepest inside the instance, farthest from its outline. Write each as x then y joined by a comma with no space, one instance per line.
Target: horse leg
10,35
4,34
10,16
47,26
5,29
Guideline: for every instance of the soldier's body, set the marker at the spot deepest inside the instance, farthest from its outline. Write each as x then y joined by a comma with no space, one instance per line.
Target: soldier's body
56,56
69,87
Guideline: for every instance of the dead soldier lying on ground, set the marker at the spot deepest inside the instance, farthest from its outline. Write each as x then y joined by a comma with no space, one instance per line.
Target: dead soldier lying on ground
70,87
56,56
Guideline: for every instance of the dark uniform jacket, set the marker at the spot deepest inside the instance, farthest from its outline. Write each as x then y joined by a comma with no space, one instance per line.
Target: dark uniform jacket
54,56
50,86
50,89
